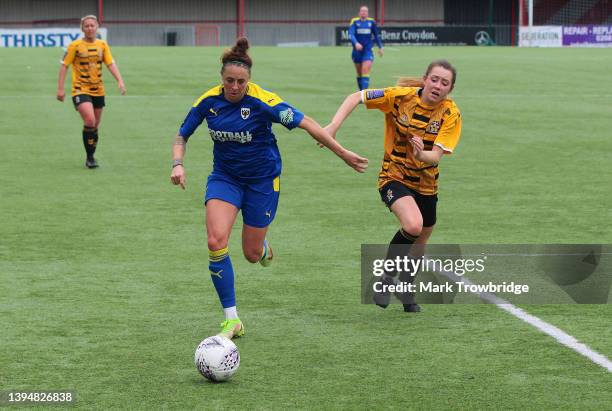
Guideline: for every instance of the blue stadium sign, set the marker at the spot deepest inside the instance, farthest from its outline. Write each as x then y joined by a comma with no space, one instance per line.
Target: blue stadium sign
50,37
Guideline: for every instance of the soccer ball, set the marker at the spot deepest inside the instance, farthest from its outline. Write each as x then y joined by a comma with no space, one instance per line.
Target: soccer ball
217,358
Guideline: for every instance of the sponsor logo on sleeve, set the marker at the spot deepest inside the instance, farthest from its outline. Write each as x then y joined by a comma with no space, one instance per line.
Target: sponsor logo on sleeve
374,94
286,116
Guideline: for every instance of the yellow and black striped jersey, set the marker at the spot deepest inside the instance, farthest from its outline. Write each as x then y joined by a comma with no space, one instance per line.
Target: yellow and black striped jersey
87,59
406,115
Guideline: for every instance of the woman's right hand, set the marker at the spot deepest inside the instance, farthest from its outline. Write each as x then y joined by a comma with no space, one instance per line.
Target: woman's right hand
60,95
355,161
178,176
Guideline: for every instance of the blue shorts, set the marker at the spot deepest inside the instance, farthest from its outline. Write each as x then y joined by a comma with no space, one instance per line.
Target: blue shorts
258,201
363,55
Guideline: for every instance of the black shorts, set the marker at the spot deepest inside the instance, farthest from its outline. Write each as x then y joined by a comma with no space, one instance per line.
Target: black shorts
395,190
97,101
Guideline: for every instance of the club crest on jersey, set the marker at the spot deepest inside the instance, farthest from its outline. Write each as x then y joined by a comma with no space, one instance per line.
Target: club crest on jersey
245,112
433,127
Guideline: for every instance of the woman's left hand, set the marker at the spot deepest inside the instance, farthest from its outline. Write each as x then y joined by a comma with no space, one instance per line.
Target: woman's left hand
417,144
122,88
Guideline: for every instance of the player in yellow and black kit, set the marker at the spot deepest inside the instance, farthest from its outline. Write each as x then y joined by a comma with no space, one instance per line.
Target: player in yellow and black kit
87,55
421,124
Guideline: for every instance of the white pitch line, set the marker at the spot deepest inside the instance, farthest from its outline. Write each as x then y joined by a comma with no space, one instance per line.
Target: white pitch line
558,334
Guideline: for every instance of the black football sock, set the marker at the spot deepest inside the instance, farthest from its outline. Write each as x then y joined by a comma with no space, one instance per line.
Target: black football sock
89,141
399,247
95,138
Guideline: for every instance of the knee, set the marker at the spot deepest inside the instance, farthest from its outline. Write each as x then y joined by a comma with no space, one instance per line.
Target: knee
252,254
414,228
216,242
89,122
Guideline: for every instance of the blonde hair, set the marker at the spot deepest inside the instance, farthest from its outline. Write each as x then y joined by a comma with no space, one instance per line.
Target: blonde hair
418,82
89,16
410,82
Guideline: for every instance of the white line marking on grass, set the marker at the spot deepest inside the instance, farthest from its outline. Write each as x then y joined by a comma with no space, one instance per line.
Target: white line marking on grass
558,334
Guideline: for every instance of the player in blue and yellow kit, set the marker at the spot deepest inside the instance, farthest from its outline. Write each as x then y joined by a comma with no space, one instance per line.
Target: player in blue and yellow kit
246,167
362,32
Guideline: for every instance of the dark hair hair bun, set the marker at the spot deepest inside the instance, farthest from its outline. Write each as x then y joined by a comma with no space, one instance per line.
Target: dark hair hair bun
238,53
241,46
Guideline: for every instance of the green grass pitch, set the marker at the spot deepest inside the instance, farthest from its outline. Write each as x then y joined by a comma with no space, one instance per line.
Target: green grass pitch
104,285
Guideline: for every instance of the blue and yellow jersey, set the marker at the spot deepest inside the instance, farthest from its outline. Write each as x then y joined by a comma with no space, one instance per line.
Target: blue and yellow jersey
244,144
363,32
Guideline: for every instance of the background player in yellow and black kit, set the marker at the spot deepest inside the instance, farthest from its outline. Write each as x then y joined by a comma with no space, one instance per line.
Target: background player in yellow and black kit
87,55
421,124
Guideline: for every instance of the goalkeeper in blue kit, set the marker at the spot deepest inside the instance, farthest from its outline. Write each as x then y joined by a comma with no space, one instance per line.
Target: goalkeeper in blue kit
363,32
246,168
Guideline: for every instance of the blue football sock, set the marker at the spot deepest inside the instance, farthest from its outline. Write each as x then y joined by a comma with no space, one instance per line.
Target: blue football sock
365,82
359,83
222,275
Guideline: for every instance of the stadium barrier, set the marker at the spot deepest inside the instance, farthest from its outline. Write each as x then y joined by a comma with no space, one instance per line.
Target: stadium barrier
209,35
438,35
566,36
45,37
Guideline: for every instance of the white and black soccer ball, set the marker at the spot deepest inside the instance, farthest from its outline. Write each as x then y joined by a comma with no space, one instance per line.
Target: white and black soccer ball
217,358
